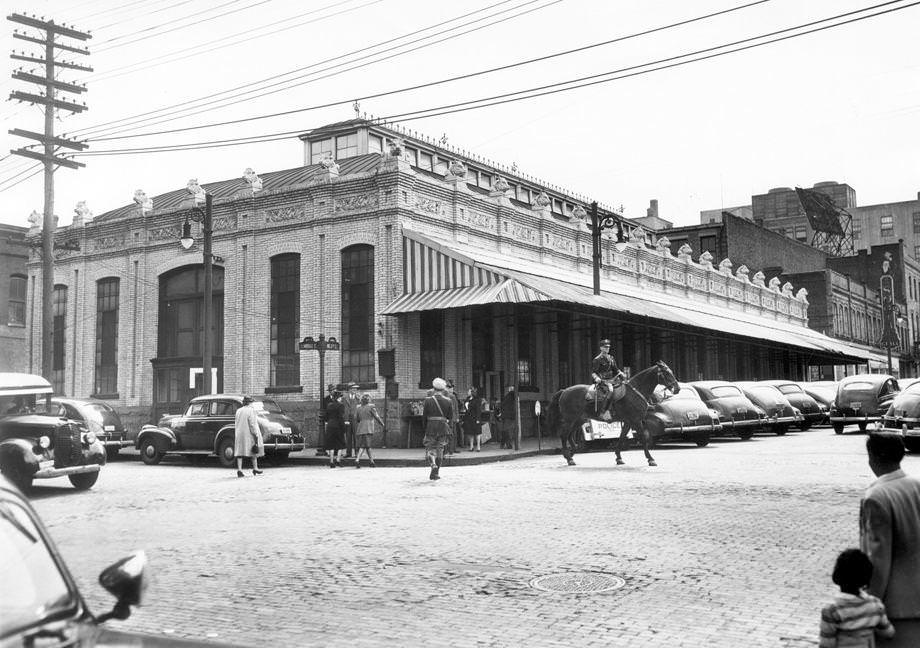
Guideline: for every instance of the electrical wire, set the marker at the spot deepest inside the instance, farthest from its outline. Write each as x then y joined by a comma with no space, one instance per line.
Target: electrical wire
440,81
165,109
541,90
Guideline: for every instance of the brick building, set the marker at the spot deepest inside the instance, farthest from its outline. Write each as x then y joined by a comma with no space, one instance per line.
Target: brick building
399,247
14,355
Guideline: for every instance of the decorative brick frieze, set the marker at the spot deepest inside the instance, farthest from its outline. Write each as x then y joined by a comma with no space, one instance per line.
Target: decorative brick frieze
283,214
348,204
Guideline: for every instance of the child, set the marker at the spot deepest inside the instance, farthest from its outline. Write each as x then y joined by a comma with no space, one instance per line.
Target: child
855,616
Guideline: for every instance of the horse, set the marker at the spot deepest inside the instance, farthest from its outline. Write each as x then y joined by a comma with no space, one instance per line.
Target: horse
569,409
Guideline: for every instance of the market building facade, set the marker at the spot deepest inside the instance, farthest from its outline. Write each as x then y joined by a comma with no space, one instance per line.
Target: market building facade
421,261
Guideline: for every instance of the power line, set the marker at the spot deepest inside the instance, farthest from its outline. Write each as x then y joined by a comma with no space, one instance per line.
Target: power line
440,81
246,86
538,91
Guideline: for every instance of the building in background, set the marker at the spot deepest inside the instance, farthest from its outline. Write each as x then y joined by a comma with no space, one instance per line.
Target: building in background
708,216
14,253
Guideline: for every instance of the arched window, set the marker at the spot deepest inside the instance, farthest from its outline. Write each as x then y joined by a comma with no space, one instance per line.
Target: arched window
358,314
58,364
106,383
285,319
16,306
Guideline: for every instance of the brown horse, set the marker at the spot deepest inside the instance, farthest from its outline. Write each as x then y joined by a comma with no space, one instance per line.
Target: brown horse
569,409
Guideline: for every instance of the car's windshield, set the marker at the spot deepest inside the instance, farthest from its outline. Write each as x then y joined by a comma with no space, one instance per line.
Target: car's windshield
33,586
270,406
724,391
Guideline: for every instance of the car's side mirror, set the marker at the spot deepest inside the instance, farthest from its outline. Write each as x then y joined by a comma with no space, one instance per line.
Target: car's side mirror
126,581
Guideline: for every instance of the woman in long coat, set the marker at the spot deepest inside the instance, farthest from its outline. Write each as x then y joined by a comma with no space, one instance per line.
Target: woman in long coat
247,441
366,416
335,429
472,410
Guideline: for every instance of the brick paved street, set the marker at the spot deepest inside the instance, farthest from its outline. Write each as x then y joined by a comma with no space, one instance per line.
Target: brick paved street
728,545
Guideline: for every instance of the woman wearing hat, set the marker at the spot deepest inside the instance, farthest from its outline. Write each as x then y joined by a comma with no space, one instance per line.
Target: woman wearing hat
335,429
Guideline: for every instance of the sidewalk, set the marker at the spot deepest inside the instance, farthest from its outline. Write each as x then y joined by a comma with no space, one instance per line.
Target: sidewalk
397,457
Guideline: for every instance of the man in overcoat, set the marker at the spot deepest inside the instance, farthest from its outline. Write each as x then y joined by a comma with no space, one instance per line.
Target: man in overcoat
437,412
351,402
889,533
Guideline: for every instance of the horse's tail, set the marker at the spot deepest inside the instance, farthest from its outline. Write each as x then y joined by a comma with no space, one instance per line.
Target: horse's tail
554,414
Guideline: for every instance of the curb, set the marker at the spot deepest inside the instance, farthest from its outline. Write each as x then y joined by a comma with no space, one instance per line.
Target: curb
421,462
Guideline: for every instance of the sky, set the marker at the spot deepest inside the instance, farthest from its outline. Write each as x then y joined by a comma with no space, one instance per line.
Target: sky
841,104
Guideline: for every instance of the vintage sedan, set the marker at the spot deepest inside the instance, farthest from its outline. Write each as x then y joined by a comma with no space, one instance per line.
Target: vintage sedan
45,607
823,391
737,414
780,413
207,428
683,416
812,411
100,419
862,399
903,415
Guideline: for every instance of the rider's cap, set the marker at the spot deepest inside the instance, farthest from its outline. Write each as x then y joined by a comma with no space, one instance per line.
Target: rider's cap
604,342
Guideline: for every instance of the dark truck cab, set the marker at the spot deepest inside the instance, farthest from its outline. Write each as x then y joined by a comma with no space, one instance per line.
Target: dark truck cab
37,440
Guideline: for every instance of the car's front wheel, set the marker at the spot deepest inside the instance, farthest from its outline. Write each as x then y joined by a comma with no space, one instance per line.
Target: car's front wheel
84,481
225,452
19,475
702,440
150,454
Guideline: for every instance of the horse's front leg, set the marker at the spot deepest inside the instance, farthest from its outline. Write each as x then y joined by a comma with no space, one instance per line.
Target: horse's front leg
624,430
645,444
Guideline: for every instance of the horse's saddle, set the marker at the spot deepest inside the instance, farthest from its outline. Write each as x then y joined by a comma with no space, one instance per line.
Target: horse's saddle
597,394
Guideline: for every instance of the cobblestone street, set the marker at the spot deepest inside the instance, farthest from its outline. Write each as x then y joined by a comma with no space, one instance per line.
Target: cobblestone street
728,545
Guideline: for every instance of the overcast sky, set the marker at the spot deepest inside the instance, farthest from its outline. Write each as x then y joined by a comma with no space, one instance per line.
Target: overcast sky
841,104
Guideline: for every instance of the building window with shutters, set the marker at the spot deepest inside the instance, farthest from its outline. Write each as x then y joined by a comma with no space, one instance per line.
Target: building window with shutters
106,383
16,305
358,314
59,323
285,320
887,225
431,347
915,217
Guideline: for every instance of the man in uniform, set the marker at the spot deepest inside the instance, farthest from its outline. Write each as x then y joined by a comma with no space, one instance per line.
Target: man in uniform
437,412
605,373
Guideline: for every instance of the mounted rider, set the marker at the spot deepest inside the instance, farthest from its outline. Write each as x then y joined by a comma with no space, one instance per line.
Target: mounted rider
608,379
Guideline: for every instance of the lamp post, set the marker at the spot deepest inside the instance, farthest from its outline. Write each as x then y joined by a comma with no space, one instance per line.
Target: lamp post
322,345
598,225
203,216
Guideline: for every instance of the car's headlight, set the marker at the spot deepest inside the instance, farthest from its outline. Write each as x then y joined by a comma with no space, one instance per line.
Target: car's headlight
89,437
44,442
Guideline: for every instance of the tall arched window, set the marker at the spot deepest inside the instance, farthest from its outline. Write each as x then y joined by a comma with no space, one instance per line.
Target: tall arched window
358,314
106,383
16,304
58,364
285,324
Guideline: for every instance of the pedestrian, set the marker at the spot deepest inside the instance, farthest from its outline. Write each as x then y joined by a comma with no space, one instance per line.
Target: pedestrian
247,440
854,617
436,415
472,411
351,402
509,418
366,416
455,430
321,448
889,533
335,429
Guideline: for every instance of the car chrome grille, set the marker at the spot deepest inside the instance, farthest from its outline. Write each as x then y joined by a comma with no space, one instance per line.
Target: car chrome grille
67,447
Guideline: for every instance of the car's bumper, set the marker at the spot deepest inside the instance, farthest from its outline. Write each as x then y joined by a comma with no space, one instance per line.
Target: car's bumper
46,470
742,424
846,419
691,429
782,420
283,446
115,443
907,425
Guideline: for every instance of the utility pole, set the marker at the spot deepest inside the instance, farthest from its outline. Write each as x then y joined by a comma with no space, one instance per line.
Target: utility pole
51,144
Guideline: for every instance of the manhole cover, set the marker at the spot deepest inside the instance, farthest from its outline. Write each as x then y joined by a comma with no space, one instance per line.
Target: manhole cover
578,583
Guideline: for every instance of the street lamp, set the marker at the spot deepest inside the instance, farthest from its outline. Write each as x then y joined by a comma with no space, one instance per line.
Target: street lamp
322,345
203,216
598,225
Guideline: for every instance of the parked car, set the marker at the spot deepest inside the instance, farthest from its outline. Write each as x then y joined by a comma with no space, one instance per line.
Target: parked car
862,399
207,428
780,414
823,391
812,411
38,441
737,414
46,607
903,415
682,416
100,419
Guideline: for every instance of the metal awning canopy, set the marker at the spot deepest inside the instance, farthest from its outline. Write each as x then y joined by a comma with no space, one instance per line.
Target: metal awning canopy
441,274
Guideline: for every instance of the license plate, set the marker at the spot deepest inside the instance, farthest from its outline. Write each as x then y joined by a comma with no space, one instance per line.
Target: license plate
855,406
285,430
108,428
693,415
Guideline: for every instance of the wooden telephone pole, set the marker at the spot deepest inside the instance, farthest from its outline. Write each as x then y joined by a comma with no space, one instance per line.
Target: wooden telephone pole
51,144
